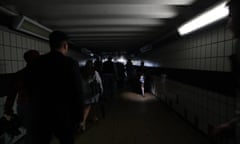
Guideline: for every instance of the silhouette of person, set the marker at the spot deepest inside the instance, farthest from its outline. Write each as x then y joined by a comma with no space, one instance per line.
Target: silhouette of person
109,78
121,74
98,66
22,100
53,83
130,72
94,81
142,77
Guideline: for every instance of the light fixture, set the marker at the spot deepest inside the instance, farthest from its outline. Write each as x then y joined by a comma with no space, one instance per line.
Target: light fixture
29,26
122,59
212,15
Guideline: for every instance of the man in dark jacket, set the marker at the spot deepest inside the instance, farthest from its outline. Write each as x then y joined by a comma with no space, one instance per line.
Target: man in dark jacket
54,91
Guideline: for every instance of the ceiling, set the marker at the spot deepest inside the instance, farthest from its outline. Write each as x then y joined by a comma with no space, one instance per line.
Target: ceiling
111,26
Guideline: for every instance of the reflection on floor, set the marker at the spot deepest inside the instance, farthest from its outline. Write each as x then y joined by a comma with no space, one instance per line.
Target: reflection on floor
134,119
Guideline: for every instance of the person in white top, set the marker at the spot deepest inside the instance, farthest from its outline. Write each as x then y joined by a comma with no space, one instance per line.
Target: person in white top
93,84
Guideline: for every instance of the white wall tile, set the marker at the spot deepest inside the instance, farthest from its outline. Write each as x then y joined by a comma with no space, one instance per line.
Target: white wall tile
214,50
19,54
24,64
191,53
228,34
14,66
204,40
227,64
14,53
203,51
220,49
228,48
8,67
7,52
213,64
198,55
37,46
6,38
220,63
209,38
208,51
19,42
1,53
194,53
215,36
199,64
234,45
199,41
19,65
24,42
1,38
208,63
13,39
29,44
203,64
221,34
2,67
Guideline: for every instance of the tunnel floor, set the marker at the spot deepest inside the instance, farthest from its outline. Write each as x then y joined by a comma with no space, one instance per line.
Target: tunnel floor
134,119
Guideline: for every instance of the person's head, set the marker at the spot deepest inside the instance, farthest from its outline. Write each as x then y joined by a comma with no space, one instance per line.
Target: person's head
58,42
31,55
234,9
142,63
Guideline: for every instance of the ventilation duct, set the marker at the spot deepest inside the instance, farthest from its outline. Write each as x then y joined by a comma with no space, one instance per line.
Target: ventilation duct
29,26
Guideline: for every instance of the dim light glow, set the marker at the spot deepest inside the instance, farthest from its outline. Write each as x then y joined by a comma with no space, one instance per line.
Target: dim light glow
216,13
122,60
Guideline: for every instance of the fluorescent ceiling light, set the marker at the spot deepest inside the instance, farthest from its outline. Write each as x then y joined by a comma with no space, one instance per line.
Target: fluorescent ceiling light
216,13
29,26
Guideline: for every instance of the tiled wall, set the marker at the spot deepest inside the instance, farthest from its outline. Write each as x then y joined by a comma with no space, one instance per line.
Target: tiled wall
208,50
203,109
12,47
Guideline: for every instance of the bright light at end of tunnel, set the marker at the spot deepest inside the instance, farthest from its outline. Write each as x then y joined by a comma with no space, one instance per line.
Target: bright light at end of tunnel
216,13
122,60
